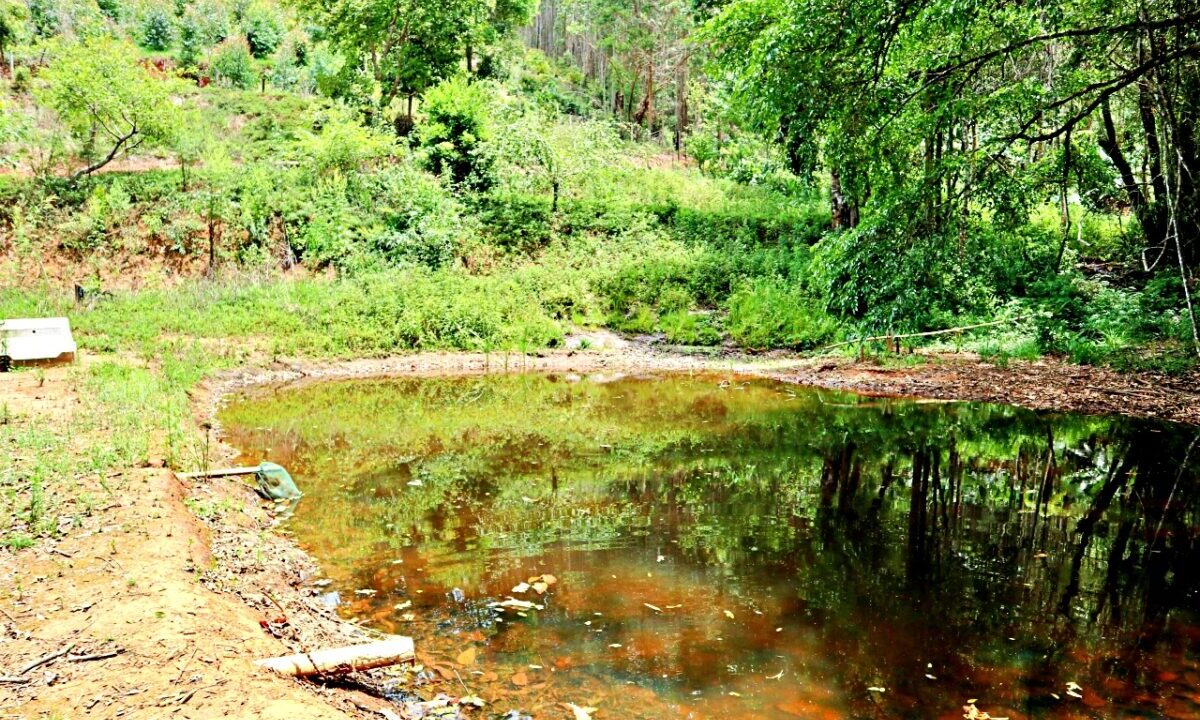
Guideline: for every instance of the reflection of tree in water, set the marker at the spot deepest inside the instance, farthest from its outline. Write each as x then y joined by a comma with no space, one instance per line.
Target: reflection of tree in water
1068,547
895,534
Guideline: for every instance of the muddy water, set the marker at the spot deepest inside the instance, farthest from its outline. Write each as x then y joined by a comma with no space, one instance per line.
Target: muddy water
732,548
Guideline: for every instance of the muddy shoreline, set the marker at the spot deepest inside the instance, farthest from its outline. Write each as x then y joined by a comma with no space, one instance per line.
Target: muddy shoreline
1045,384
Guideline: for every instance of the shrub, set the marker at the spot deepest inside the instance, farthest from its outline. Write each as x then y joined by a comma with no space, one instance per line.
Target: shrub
516,222
455,132
264,31
768,313
45,17
212,21
191,40
157,33
233,65
425,224
110,8
343,145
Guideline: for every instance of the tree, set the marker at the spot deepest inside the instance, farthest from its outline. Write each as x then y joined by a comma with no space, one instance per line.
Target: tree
157,32
264,31
936,118
191,41
233,64
110,103
406,46
554,152
946,109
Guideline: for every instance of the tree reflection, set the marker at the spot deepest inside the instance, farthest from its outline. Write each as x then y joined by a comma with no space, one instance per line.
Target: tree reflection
989,547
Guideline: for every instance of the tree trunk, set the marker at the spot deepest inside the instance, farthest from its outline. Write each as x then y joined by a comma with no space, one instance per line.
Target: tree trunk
681,106
844,211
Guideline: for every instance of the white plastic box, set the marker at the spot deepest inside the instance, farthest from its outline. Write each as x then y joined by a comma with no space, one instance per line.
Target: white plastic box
36,339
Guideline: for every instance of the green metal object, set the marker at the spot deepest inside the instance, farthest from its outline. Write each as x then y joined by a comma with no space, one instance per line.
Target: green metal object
274,483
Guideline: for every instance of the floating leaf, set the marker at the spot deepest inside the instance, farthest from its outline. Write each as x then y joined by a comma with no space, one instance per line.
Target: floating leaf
729,614
472,700
520,679
466,657
541,587
876,688
521,587
653,607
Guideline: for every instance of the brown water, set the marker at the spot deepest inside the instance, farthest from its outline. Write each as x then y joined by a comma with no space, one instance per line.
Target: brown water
806,553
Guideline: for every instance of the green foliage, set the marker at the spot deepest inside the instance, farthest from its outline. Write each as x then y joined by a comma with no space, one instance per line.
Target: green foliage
342,145
157,31
191,40
424,225
110,103
110,8
45,17
13,16
550,153
768,313
233,65
404,58
264,30
211,20
455,132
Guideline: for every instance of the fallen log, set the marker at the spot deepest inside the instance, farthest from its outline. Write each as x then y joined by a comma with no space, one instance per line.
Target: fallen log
337,661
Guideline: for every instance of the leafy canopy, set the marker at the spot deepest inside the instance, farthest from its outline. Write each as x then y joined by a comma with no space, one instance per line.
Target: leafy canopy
110,103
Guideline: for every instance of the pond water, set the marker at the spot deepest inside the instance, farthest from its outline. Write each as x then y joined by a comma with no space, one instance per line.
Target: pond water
726,547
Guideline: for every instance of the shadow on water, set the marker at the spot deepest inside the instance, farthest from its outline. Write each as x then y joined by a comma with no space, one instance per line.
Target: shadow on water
740,548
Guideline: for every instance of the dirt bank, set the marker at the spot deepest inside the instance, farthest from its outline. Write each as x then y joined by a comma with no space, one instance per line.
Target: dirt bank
160,594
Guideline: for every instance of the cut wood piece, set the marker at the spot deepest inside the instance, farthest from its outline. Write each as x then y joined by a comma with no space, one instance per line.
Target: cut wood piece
336,661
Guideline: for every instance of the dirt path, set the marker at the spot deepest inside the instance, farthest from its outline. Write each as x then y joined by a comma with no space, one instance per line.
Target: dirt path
181,599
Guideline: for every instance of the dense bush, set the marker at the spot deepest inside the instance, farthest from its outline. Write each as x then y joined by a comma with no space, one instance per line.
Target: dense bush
157,31
264,30
232,64
191,41
455,132
767,313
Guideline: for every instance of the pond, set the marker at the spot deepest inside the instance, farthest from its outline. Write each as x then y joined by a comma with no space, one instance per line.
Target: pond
713,546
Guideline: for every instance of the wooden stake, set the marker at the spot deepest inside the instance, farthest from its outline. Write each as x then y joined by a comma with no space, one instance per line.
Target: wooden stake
336,661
